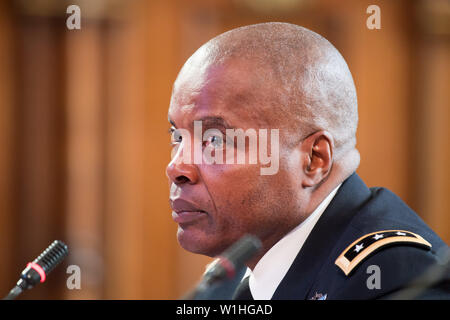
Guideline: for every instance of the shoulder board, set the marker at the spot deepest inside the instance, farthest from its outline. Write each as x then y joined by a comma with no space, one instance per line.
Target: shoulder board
360,249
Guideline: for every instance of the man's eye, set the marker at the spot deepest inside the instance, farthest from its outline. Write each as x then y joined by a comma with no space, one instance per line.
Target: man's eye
216,141
175,136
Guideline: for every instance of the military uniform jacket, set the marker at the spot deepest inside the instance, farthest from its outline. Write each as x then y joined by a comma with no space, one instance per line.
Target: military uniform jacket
368,244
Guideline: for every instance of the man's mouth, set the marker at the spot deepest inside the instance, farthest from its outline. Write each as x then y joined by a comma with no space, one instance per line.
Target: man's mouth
184,217
185,211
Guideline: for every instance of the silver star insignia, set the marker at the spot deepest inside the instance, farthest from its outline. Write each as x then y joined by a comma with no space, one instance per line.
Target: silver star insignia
378,236
358,247
400,233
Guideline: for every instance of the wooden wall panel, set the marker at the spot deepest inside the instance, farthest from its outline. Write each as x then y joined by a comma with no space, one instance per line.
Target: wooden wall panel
140,236
162,35
85,109
380,61
432,122
7,216
434,182
39,135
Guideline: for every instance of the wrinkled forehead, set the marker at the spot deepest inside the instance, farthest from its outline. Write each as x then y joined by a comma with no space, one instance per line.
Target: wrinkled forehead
236,89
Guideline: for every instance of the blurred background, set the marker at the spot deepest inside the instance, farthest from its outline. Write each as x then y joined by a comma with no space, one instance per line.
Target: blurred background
83,126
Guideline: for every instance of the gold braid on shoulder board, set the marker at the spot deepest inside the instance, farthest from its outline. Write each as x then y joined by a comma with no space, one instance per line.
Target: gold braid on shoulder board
363,247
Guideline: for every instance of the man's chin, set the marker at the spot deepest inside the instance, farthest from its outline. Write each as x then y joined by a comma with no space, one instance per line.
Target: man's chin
196,241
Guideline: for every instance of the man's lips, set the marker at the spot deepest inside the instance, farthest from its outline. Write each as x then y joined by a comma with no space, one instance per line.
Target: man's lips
187,216
185,211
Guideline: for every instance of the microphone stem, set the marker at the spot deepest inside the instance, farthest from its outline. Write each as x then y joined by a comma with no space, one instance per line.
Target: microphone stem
14,293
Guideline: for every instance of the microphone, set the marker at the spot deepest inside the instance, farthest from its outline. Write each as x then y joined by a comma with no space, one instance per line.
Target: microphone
226,265
38,270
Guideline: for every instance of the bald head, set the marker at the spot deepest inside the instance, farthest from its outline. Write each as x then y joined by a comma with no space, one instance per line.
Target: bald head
299,81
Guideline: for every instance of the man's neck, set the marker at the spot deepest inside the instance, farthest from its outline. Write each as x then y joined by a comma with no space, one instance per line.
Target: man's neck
274,238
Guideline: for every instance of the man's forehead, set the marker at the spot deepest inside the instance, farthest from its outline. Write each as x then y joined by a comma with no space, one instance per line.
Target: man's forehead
236,110
195,81
222,89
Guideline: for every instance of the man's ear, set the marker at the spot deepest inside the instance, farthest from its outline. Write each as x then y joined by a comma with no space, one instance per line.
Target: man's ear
317,150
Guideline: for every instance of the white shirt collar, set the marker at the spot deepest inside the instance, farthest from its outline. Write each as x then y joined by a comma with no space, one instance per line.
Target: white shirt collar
273,266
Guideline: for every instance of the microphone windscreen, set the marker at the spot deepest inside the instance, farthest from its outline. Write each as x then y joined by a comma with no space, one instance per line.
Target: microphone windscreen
52,256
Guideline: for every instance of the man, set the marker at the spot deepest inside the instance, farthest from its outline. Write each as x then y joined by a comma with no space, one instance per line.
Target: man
321,228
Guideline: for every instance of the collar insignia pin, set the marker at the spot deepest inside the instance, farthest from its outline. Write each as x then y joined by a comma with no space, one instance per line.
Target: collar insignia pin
319,296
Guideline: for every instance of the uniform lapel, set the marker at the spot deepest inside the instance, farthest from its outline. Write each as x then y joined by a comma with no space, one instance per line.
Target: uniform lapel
323,238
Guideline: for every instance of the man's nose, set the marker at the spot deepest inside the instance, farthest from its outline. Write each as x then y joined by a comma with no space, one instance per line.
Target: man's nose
180,172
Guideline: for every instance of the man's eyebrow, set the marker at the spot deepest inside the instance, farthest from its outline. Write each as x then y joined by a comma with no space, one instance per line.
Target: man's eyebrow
209,121
214,121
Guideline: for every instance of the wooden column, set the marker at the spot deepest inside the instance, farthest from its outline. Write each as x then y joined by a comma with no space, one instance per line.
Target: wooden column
140,235
85,108
432,120
7,215
88,80
39,136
